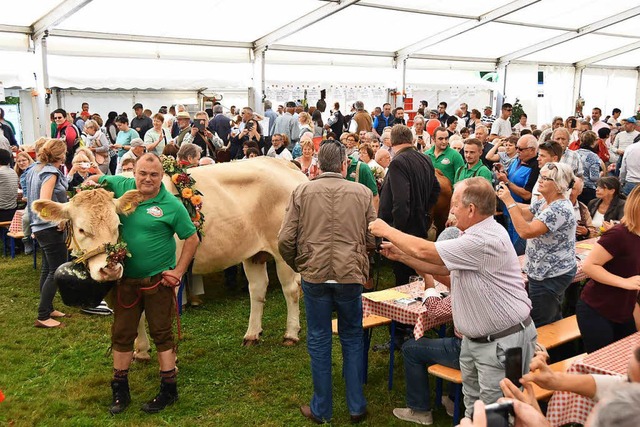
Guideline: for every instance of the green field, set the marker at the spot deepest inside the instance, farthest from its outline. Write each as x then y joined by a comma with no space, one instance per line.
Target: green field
61,377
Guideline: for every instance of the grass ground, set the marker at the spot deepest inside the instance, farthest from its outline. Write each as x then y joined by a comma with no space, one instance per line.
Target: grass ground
61,377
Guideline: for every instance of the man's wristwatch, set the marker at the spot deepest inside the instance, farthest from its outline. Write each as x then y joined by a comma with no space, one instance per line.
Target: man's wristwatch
507,183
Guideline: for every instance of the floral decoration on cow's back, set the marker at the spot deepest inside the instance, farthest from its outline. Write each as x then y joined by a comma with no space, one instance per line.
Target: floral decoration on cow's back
186,185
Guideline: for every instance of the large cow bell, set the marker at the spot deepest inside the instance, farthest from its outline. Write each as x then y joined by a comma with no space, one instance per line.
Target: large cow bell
77,288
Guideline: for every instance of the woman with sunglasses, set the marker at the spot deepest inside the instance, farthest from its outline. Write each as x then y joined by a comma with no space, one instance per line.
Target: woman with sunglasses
549,226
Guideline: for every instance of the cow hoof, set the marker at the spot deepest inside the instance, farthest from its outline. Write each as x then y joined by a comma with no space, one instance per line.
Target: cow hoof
250,342
290,342
141,357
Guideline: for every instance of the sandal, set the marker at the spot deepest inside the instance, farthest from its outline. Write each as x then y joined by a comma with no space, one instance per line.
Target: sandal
41,324
58,314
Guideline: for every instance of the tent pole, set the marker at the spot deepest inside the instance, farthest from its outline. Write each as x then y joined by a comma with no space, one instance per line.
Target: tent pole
637,104
577,84
256,92
42,86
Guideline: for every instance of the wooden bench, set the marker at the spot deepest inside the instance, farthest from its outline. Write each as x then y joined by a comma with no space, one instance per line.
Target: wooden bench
455,376
368,322
558,333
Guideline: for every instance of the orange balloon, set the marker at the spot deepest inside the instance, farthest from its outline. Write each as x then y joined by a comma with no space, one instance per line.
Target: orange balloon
432,124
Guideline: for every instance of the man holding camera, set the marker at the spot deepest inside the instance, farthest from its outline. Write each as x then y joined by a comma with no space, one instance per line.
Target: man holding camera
491,308
200,135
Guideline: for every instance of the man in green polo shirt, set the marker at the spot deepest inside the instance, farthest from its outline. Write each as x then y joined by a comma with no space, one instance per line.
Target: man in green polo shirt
149,234
364,176
444,157
473,166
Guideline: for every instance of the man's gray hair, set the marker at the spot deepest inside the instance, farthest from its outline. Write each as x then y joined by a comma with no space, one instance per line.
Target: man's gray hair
478,191
620,408
372,136
268,105
359,105
531,140
562,129
482,127
217,109
331,155
188,150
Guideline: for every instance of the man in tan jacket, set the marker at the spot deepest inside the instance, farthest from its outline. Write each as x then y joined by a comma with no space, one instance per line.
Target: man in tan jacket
324,237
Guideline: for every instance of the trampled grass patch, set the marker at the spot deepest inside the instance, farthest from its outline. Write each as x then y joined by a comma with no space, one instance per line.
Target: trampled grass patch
61,377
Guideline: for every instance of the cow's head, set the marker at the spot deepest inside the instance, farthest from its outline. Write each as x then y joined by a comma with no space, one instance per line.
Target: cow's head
93,215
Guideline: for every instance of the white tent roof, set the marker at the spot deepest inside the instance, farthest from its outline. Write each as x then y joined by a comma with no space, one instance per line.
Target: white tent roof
193,42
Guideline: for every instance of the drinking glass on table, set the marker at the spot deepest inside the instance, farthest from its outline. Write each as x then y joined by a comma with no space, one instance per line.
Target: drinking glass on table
413,279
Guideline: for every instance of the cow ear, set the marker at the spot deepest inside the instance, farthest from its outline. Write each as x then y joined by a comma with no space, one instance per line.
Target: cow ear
51,211
128,202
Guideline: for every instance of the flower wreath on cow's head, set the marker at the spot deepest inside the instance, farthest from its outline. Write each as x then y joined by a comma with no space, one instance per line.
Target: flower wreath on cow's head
186,185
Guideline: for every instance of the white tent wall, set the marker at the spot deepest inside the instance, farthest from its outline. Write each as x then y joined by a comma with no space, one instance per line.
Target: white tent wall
476,98
558,93
522,85
609,89
104,101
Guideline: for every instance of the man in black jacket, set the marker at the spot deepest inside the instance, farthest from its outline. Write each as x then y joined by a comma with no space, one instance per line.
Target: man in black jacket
409,190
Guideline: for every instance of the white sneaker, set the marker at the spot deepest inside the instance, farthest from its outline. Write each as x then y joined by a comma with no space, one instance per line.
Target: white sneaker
424,418
448,405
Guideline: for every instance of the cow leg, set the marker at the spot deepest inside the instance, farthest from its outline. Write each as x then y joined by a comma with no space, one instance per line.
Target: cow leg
258,282
290,281
142,342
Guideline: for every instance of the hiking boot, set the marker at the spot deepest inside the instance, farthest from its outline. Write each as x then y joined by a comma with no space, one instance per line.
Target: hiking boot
167,396
424,418
121,396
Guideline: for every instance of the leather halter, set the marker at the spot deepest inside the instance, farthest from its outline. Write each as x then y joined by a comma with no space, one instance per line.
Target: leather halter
85,256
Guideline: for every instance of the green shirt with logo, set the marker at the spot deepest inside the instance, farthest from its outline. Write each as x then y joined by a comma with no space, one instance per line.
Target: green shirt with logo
479,169
448,161
149,230
365,176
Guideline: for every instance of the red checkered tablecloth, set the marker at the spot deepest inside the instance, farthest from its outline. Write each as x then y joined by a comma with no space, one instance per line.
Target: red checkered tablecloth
580,275
565,407
415,314
16,222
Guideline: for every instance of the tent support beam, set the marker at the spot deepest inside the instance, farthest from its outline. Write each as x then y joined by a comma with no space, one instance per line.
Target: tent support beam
57,15
41,118
256,92
638,88
147,39
310,18
570,35
609,54
464,27
577,84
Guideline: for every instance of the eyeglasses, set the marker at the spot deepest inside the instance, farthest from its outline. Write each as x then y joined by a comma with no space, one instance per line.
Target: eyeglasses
508,109
545,178
58,117
523,148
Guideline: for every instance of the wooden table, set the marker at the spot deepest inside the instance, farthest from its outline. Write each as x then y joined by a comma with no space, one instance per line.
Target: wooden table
415,314
565,407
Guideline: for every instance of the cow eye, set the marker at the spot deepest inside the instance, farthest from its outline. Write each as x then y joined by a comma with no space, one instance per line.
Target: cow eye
81,230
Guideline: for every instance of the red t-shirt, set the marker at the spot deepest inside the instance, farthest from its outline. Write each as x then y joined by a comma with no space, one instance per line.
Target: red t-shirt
616,304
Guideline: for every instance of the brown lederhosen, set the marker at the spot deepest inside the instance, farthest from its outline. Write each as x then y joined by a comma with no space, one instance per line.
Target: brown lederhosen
158,305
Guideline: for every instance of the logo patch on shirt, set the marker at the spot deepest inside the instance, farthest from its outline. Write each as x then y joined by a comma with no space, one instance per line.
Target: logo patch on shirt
155,211
445,161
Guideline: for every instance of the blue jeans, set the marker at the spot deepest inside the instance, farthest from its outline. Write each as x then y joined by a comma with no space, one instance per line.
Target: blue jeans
547,296
320,300
628,187
418,356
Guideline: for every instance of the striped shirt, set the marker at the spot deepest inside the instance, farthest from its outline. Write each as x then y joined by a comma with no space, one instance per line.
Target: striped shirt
487,289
